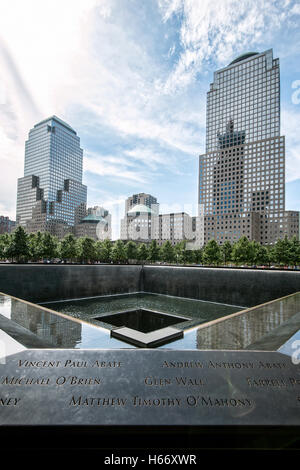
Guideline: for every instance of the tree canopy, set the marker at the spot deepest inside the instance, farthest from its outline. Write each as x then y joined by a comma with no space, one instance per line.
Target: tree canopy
20,246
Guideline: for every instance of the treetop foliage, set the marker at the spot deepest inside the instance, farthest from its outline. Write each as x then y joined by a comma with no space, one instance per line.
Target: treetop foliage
20,246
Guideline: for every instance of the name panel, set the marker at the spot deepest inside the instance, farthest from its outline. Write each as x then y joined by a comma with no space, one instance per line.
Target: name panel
149,387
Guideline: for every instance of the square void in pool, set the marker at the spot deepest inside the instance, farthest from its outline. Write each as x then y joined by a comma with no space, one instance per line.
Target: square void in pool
144,328
142,320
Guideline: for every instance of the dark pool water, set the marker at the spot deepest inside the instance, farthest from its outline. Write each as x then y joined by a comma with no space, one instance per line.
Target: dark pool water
195,312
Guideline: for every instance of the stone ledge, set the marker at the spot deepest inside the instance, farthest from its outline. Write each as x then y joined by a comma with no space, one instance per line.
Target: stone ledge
147,340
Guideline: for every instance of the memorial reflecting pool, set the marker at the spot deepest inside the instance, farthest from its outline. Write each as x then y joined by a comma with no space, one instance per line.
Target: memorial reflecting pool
79,324
194,311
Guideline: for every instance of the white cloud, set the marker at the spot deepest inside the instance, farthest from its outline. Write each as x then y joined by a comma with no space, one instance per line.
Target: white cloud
295,10
149,157
38,45
172,50
106,165
60,56
169,7
217,30
290,128
91,63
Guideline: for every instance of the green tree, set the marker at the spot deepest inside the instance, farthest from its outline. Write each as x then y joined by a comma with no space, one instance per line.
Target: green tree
32,245
86,249
262,255
131,250
49,246
35,246
241,251
167,252
226,250
142,252
252,252
190,257
104,250
181,252
212,253
271,252
4,244
118,253
18,248
198,256
68,247
282,251
98,245
294,251
153,251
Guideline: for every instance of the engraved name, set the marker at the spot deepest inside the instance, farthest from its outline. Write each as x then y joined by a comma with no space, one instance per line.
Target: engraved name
97,401
69,363
163,401
274,382
78,380
219,402
9,401
230,365
39,364
108,364
192,400
272,365
179,364
25,381
186,381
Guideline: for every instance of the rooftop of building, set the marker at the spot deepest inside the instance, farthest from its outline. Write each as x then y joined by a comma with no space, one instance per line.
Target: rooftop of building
92,218
174,213
243,57
145,195
141,208
57,119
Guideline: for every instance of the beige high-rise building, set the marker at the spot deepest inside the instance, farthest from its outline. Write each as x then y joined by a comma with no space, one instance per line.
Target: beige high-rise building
140,198
174,227
142,222
242,173
140,209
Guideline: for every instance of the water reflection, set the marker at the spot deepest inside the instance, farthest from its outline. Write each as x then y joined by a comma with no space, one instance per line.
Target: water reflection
261,328
253,325
54,330
91,310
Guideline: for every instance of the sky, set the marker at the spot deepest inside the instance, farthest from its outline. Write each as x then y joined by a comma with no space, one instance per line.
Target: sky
131,77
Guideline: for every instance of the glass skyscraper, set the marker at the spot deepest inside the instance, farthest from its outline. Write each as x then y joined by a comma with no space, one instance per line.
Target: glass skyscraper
51,192
242,174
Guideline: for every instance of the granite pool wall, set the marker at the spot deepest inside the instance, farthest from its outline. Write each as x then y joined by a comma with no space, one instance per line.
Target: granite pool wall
244,287
42,283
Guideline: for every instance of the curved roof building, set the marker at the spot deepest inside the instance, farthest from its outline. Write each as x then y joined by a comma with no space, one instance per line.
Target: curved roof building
92,218
243,57
140,209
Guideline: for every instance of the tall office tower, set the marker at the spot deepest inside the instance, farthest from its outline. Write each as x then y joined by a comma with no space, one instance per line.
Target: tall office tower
242,173
51,195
